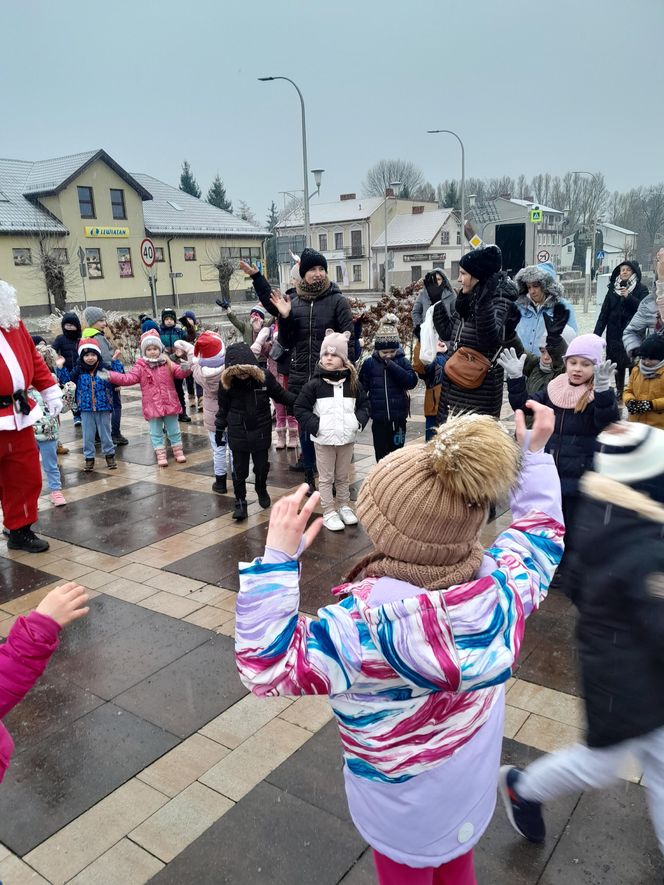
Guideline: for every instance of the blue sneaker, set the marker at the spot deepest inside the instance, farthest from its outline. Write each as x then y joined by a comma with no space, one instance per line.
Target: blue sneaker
525,817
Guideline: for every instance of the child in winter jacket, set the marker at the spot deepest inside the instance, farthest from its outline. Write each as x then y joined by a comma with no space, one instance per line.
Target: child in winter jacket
94,398
387,376
644,394
245,422
170,332
617,580
161,407
28,649
192,331
415,658
333,408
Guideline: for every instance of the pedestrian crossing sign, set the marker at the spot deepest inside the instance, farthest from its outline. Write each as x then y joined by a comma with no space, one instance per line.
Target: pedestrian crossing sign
536,216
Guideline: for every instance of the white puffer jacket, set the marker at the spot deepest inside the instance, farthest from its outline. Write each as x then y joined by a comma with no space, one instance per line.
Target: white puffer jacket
327,409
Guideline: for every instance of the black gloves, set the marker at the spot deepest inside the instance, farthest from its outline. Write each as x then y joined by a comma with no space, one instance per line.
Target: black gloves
223,303
556,323
220,438
442,322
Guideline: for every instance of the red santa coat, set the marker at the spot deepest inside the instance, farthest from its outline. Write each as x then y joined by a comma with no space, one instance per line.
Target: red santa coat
21,367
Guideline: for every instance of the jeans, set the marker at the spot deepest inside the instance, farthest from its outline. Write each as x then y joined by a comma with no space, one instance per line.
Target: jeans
218,456
48,450
308,451
173,432
93,423
117,412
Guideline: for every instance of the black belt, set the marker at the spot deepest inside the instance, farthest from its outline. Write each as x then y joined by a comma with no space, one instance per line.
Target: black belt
18,400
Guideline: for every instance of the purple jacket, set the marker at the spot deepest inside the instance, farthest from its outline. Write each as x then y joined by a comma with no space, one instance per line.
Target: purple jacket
23,658
158,393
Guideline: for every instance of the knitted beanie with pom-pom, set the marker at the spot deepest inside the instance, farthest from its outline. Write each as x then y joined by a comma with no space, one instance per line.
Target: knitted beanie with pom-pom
425,505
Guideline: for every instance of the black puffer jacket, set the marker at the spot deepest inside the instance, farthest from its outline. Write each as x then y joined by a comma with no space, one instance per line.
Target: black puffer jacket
66,345
620,599
244,402
478,322
616,314
387,384
303,330
572,443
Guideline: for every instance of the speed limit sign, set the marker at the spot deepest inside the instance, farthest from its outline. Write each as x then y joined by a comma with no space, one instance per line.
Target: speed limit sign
148,252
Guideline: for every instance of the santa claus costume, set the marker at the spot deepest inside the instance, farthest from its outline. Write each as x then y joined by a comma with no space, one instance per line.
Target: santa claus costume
21,367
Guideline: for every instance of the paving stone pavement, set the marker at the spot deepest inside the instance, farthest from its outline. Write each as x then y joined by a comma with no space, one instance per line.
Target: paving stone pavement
140,757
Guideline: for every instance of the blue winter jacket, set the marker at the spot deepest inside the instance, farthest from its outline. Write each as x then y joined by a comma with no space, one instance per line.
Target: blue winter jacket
170,334
531,328
93,394
386,385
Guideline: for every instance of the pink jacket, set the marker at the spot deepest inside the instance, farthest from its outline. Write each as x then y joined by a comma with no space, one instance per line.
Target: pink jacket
157,388
23,658
209,379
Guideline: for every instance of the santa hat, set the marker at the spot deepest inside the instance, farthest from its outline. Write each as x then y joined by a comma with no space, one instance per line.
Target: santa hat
150,338
208,345
88,344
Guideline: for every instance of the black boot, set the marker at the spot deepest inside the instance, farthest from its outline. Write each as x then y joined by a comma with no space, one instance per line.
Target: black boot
111,463
183,418
219,484
25,539
261,488
310,480
89,465
240,512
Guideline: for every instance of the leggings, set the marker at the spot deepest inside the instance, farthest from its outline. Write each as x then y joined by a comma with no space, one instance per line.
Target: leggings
459,871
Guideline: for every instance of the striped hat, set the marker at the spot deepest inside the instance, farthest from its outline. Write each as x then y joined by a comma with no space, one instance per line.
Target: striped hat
633,456
88,344
151,337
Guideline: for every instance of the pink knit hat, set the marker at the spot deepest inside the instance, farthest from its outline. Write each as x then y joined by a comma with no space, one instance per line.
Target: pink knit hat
336,343
588,347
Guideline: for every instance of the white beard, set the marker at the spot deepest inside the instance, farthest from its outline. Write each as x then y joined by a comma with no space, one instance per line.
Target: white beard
10,314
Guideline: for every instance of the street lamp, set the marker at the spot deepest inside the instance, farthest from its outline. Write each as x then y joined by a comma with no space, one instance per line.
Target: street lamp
593,234
394,185
463,178
304,156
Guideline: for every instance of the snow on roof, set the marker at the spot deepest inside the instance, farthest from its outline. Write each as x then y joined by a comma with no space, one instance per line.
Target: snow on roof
413,230
529,204
620,230
340,210
17,213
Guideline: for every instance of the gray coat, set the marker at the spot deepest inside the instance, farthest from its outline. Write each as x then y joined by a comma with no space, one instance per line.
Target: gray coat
640,326
423,302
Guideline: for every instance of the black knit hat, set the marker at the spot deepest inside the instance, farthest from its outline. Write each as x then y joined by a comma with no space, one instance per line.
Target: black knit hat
169,312
240,354
482,263
652,348
310,258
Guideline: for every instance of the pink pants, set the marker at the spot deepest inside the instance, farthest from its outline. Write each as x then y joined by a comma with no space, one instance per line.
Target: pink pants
283,420
459,871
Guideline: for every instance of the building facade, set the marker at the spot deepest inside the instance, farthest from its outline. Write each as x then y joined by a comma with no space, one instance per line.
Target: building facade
91,215
417,243
523,241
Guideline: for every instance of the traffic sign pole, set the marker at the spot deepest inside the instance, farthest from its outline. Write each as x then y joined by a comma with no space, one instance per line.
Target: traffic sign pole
148,257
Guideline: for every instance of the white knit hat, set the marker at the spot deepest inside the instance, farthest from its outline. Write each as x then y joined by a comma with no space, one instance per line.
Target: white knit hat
635,457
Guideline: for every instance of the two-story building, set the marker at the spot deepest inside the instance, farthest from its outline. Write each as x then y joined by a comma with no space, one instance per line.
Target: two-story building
91,215
522,240
619,243
344,232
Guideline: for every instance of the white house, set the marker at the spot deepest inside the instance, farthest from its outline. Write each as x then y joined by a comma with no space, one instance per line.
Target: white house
522,241
417,243
619,244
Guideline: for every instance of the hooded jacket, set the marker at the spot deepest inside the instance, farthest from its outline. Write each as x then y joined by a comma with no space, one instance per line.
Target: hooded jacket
170,334
531,327
303,330
158,394
244,402
329,411
617,313
423,301
93,394
104,345
386,384
66,344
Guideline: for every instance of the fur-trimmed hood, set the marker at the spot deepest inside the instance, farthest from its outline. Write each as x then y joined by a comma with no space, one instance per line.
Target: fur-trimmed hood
253,372
536,274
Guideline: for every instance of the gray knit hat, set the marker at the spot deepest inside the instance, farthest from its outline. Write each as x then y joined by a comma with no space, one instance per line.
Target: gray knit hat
387,335
93,314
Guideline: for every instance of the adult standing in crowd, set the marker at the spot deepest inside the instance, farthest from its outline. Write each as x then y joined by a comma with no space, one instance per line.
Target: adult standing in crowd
648,316
96,322
538,293
316,307
436,288
625,293
478,322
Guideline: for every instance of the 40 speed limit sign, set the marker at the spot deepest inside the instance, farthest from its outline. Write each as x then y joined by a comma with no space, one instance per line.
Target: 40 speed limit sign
148,252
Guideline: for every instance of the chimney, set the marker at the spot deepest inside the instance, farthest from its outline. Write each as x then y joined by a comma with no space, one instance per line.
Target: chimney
389,192
343,197
418,210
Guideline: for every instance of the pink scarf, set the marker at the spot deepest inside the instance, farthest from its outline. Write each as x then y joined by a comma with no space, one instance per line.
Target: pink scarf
564,395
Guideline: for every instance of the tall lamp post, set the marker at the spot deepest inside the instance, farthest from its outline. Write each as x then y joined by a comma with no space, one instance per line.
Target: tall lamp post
463,178
307,231
593,236
394,185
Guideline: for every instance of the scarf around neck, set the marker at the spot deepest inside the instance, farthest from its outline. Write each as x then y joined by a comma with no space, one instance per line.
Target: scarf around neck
649,372
625,290
565,395
311,291
431,577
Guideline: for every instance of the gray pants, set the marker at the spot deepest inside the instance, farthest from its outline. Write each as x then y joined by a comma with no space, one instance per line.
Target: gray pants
334,469
581,768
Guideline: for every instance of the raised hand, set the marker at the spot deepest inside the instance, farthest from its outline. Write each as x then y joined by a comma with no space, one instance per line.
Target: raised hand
60,361
281,303
288,530
556,323
511,363
604,372
249,269
544,422
65,604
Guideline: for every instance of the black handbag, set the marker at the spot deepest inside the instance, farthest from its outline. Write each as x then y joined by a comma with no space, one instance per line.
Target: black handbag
277,351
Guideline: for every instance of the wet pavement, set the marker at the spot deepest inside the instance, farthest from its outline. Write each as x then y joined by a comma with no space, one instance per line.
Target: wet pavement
141,757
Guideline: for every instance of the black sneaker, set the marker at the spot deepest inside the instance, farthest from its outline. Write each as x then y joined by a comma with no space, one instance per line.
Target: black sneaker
298,466
25,539
120,440
184,419
89,465
525,817
111,463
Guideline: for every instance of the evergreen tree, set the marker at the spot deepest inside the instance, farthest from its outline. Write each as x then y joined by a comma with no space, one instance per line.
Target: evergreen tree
188,183
245,213
216,195
271,244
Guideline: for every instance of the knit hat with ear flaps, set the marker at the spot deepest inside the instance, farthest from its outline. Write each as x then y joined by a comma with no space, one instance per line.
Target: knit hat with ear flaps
387,336
482,263
336,343
424,506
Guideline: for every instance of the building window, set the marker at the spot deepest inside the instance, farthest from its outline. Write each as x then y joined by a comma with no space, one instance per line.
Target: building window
322,242
86,202
60,256
159,253
22,257
339,240
415,272
190,253
458,238
357,273
340,273
124,262
93,263
118,203
444,238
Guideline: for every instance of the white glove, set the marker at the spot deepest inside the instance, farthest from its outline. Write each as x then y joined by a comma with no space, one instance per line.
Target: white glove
604,372
184,365
511,363
52,397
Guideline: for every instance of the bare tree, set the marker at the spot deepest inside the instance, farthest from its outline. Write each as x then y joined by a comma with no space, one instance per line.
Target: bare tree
385,171
225,267
425,192
652,209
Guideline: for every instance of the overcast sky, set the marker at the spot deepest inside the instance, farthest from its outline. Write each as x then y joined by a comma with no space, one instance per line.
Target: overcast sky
530,87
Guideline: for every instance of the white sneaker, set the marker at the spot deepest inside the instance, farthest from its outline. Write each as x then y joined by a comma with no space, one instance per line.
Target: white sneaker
332,522
347,516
